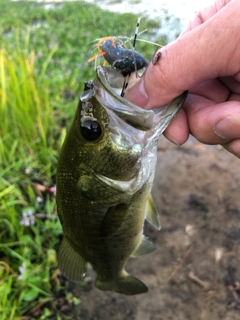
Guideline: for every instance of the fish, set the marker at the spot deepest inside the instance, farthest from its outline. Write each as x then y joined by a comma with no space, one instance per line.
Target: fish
104,178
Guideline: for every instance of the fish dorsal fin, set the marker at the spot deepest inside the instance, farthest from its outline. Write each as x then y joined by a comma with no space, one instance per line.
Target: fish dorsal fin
145,247
71,264
152,215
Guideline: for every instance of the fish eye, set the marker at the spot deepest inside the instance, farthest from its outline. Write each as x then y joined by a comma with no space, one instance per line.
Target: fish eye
91,130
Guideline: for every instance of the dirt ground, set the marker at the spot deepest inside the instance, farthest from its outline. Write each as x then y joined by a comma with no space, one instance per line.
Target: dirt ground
195,273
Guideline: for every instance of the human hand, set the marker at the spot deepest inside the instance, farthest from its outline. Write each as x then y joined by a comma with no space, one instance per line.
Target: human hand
205,60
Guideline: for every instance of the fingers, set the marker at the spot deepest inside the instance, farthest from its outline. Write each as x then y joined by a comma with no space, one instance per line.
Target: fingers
203,53
231,83
211,112
212,89
233,147
213,123
178,130
207,121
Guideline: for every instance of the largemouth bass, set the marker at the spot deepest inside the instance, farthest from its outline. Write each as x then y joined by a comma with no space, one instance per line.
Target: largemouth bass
104,179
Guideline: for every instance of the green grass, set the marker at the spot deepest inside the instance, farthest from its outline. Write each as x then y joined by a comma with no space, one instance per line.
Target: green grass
25,107
43,65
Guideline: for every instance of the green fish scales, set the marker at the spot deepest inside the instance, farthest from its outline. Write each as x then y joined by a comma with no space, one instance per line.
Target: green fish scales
104,180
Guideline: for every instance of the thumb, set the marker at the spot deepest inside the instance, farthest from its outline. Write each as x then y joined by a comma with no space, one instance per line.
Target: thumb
199,54
179,66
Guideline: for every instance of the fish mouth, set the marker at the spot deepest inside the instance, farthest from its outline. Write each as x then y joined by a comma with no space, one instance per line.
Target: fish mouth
109,83
131,125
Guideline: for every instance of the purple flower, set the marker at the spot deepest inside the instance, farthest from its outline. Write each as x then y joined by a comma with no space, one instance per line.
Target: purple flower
52,190
27,218
21,271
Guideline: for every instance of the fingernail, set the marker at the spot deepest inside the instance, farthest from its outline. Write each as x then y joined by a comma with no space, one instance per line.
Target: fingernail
137,94
228,128
170,138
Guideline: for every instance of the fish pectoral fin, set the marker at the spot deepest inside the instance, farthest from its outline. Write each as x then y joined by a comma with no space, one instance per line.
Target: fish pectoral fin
126,284
71,264
113,219
145,247
152,215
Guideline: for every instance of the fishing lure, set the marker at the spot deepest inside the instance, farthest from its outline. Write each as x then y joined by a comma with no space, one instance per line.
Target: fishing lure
121,58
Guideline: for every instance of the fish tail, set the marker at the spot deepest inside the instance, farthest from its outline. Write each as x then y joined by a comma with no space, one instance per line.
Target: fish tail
127,284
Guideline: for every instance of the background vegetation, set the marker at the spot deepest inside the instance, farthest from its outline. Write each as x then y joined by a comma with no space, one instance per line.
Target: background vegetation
43,63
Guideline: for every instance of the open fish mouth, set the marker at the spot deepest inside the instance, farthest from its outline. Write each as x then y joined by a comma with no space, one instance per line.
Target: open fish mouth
129,125
133,124
109,84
